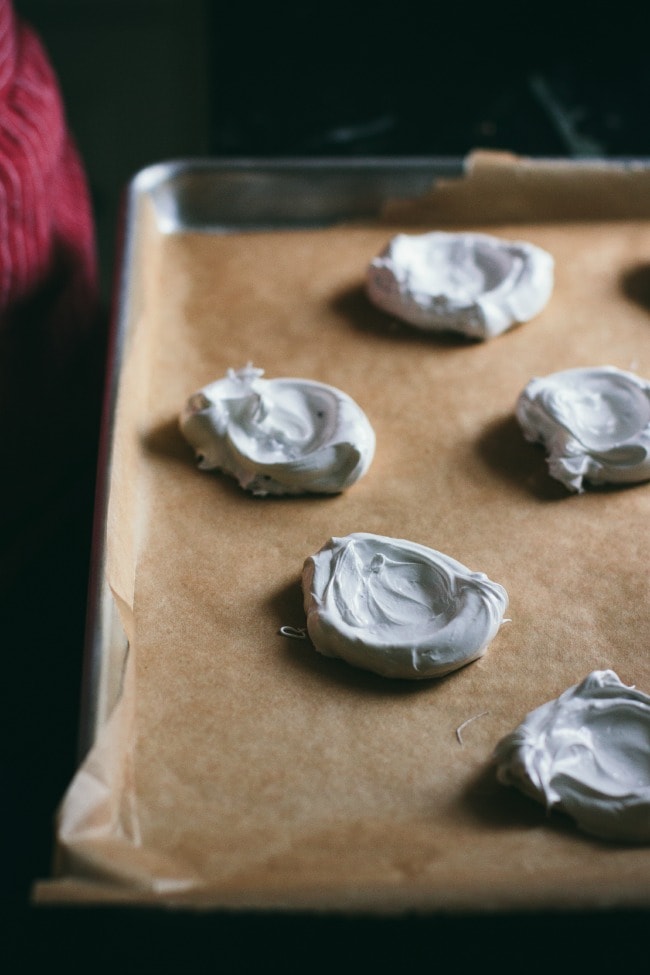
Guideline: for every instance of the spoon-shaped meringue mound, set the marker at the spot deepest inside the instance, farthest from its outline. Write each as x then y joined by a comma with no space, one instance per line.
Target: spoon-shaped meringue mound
587,753
593,422
279,436
470,283
398,608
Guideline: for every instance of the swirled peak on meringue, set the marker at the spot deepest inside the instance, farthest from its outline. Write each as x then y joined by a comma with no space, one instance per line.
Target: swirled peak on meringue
593,422
587,754
279,436
398,608
474,284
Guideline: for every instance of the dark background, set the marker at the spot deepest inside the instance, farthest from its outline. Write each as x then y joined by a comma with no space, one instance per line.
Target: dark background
151,80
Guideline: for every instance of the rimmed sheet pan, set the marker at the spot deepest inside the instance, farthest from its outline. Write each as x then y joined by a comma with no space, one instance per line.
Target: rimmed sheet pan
223,766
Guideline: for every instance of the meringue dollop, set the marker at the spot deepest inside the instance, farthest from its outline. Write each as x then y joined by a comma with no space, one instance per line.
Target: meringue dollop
593,422
279,436
475,284
398,608
587,753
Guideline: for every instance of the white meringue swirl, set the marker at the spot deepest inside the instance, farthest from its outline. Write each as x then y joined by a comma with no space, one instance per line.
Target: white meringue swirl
593,422
398,608
279,436
475,284
587,753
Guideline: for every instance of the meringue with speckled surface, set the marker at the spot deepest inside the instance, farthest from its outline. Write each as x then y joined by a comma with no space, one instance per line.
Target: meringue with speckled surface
398,608
279,436
593,422
587,754
472,283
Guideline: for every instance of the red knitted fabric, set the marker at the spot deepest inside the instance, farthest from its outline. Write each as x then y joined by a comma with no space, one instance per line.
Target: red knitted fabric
48,286
44,205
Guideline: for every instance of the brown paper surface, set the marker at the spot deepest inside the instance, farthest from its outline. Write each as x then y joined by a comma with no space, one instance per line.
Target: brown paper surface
241,768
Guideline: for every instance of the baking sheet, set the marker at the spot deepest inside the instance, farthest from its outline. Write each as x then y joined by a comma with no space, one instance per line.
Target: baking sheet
232,767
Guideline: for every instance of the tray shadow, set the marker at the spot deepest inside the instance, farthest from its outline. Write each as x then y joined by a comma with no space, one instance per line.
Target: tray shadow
635,284
166,440
354,306
494,805
497,806
287,604
504,449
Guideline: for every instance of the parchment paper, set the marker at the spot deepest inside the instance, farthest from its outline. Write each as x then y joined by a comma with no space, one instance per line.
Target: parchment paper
241,768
